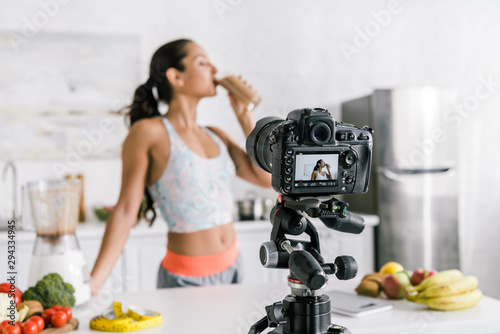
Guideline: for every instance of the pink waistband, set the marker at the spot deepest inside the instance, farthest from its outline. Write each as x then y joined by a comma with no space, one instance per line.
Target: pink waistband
200,265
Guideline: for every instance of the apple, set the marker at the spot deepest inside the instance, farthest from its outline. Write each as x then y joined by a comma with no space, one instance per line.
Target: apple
394,285
420,274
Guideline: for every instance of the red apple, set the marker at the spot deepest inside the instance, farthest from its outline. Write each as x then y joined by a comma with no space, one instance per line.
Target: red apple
419,275
394,285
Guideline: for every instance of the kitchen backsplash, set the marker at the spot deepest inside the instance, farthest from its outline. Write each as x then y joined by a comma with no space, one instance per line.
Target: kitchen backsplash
61,71
63,139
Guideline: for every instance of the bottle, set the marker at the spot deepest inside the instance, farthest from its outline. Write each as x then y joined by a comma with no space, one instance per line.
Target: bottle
240,91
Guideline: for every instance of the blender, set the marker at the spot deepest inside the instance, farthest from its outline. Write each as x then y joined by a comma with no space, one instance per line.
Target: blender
55,207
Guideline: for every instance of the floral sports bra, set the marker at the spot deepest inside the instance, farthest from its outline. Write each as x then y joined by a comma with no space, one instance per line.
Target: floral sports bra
194,193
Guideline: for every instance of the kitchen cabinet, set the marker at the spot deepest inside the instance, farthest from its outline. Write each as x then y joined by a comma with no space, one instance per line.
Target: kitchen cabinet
137,267
22,260
89,238
90,245
142,257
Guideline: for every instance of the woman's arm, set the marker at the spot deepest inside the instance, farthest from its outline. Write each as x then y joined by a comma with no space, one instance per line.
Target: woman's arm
124,215
245,168
328,173
245,117
314,175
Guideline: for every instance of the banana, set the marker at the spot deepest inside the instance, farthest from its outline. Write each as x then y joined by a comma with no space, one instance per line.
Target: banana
442,277
453,302
459,286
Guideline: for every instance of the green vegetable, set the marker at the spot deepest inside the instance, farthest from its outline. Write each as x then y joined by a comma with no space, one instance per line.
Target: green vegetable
51,290
102,214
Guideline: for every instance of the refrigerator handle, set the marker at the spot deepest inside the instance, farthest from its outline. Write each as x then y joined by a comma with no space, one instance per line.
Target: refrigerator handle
397,175
389,174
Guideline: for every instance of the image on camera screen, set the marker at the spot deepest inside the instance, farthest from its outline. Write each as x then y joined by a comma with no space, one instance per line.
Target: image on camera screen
316,167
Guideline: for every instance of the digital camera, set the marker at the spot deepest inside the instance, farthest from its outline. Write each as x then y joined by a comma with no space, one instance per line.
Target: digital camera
312,154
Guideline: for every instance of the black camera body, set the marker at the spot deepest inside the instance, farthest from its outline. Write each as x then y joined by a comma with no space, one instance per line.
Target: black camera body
312,154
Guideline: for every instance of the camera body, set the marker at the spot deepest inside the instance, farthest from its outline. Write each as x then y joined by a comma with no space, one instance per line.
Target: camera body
312,154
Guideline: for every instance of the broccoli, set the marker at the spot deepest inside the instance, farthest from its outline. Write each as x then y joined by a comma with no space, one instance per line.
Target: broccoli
51,290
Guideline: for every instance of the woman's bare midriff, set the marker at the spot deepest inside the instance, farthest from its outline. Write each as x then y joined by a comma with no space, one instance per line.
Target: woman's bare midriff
206,242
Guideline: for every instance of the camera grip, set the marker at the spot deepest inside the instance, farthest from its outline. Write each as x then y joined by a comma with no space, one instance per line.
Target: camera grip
364,166
351,223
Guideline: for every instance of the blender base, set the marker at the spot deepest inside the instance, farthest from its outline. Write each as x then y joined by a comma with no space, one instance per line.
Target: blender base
72,267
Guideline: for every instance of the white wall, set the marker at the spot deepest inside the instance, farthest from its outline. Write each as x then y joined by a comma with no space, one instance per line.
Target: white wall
291,51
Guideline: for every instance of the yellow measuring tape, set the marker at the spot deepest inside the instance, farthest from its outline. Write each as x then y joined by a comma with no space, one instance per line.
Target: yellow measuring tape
114,320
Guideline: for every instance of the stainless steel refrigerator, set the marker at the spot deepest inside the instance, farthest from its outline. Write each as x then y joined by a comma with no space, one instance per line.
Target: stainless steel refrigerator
414,181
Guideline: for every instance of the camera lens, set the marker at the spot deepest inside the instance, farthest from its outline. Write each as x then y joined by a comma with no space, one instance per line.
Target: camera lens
320,133
259,141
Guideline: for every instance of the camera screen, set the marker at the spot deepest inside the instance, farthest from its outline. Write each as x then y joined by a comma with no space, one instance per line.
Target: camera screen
316,167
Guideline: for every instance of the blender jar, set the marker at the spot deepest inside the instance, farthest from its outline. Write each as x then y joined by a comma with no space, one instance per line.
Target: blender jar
55,206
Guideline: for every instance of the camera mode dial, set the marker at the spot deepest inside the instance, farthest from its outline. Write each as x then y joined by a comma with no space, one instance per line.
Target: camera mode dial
348,159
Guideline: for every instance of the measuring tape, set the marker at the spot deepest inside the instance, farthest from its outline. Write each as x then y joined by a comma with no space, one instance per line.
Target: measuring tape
114,320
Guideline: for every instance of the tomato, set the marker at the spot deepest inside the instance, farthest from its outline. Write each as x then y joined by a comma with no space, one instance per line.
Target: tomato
56,307
59,319
3,324
29,327
47,315
9,329
5,287
38,321
68,311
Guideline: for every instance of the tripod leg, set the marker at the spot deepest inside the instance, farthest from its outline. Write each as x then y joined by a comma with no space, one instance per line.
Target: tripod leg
259,326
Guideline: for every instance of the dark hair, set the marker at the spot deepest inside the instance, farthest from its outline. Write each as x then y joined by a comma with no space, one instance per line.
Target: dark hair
317,164
145,105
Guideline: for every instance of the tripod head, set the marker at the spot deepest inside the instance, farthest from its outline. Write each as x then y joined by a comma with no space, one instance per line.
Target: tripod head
304,257
307,308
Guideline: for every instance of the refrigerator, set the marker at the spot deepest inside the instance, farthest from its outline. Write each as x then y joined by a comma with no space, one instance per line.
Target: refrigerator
414,180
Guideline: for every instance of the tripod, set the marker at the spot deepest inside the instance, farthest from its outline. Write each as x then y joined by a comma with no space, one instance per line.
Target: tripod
306,309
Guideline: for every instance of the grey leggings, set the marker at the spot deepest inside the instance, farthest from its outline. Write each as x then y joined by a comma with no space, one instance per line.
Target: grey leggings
231,275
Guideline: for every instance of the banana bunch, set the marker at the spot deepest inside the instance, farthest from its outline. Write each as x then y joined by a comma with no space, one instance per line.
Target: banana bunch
448,290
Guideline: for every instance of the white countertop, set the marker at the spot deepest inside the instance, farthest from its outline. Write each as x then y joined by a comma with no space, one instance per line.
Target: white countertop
233,309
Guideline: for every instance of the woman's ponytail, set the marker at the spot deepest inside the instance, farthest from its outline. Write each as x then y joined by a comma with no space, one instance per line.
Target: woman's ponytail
144,103
317,165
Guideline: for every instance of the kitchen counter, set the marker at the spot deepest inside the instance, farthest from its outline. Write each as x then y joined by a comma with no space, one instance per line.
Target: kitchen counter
234,308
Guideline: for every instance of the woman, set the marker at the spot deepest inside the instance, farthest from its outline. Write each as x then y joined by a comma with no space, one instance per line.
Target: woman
186,168
320,174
